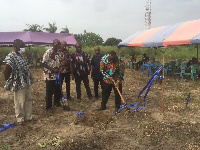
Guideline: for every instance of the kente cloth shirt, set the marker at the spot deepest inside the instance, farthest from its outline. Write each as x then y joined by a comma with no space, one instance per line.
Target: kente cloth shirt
65,59
20,77
80,63
115,70
95,62
51,59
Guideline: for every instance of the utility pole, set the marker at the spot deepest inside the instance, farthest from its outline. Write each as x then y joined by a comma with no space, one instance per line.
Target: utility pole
148,15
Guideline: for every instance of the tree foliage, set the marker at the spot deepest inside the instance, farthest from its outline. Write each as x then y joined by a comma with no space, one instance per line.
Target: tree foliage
112,42
52,28
65,30
34,28
89,38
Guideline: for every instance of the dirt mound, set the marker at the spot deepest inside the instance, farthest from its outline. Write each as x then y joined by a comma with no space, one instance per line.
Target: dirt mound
96,119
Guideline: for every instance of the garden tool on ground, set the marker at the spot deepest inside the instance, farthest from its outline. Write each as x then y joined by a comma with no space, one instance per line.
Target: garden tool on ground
187,99
122,99
63,100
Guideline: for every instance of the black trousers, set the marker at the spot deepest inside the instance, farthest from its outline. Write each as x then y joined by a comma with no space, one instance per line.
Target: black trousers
66,76
140,63
52,89
96,86
106,90
78,80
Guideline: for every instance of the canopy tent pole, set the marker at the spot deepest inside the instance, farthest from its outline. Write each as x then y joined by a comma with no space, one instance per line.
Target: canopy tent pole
197,51
162,105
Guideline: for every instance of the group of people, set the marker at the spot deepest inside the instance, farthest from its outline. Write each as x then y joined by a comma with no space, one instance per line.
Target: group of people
106,70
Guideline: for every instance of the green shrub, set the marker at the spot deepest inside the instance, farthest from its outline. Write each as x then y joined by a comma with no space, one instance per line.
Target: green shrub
4,51
171,53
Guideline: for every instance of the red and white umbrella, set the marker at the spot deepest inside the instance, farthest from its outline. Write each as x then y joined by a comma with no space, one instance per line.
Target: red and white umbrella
177,34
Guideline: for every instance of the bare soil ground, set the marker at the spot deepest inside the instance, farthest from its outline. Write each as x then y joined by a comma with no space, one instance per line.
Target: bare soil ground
178,128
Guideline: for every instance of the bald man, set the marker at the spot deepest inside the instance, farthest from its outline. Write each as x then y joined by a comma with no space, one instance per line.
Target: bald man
96,75
51,63
18,80
80,69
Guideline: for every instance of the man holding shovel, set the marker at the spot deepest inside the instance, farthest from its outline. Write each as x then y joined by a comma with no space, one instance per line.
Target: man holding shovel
112,68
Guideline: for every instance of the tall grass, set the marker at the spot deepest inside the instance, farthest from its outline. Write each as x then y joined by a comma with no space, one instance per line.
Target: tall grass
4,51
171,53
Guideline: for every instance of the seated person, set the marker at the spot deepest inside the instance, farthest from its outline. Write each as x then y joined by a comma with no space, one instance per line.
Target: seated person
145,59
131,61
190,62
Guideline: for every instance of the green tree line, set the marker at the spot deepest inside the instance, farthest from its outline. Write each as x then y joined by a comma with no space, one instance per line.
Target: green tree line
89,39
171,53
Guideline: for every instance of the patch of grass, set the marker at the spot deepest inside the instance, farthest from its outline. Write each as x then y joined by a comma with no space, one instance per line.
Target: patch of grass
4,147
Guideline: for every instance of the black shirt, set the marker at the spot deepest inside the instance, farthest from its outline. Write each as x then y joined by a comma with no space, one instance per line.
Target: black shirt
96,64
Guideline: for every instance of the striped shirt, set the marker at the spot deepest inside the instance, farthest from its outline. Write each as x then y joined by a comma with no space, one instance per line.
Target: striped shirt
20,76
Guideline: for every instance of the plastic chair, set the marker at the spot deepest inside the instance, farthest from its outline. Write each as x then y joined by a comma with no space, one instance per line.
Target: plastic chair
151,67
165,68
170,67
193,71
38,60
30,61
178,63
155,66
180,70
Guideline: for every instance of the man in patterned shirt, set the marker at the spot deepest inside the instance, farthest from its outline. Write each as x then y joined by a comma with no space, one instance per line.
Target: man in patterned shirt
50,63
64,67
112,68
80,69
18,80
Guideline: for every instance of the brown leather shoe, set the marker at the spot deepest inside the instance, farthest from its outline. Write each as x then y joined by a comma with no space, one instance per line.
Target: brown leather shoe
22,123
92,99
78,100
100,109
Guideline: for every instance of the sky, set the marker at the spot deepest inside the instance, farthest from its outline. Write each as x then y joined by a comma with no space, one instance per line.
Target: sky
107,18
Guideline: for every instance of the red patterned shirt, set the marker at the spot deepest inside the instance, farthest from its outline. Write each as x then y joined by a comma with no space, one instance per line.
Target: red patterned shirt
65,59
80,63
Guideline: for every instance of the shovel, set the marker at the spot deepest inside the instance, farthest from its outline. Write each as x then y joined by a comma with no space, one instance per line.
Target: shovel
122,99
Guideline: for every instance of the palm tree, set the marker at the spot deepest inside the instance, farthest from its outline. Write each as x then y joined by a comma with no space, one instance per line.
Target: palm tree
52,28
34,28
65,30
